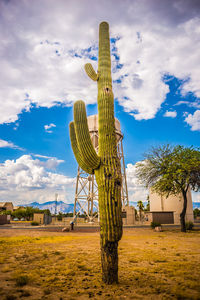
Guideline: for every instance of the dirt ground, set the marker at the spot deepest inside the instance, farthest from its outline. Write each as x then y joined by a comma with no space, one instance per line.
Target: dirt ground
66,265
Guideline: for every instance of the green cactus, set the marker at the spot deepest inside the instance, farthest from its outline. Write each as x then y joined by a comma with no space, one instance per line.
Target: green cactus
106,165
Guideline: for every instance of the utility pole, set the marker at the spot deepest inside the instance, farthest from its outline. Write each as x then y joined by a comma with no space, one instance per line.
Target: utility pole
56,203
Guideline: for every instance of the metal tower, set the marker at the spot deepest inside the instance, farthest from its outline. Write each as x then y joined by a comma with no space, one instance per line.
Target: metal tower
86,193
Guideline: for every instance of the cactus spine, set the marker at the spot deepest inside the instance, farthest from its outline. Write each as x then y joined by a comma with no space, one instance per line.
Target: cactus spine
106,165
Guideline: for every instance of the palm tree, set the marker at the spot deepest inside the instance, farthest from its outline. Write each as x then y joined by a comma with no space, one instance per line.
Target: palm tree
140,205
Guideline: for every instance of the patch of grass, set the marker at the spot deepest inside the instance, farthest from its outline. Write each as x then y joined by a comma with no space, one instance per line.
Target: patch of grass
21,280
56,253
25,294
160,260
189,225
82,267
35,223
133,261
47,291
155,224
10,297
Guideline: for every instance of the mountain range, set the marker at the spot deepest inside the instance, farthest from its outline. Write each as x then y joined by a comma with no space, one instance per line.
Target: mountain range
69,208
51,205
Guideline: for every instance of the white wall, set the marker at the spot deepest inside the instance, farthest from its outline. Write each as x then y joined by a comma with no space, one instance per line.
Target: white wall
172,203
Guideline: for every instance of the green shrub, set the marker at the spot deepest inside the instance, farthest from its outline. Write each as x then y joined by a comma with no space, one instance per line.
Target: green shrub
34,223
59,217
196,212
155,224
11,297
189,225
21,280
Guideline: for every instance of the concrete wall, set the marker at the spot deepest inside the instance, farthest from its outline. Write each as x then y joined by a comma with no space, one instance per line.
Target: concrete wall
67,220
172,203
130,215
38,218
4,219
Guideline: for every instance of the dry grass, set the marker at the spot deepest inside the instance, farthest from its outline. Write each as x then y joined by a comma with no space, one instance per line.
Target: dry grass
52,265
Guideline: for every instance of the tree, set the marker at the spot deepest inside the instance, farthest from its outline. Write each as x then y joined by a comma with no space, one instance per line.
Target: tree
140,205
171,170
147,208
196,212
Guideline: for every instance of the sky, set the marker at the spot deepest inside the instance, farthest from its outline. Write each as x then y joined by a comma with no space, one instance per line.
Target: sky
44,46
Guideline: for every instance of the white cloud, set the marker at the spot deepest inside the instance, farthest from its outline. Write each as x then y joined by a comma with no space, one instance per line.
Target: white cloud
26,175
42,156
195,196
6,144
50,163
195,104
171,114
135,190
161,50
194,120
47,127
43,51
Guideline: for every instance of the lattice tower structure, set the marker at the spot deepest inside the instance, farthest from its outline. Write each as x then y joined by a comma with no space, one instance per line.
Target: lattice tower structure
86,192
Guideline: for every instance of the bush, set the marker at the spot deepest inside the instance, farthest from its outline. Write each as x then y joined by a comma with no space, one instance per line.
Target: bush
196,212
22,280
155,224
189,225
59,217
34,223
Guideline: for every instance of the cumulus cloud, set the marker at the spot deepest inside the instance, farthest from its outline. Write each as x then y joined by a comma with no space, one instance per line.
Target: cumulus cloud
194,120
48,127
136,191
25,175
195,104
161,51
44,48
171,114
6,144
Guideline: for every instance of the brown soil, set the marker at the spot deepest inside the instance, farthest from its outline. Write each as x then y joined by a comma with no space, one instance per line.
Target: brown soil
37,264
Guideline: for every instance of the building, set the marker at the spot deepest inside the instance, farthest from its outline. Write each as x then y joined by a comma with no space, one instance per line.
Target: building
42,218
128,215
6,206
166,210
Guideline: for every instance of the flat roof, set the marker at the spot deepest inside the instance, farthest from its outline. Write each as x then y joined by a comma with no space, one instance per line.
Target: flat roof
160,211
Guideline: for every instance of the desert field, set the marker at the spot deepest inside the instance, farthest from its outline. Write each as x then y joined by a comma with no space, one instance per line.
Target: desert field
66,265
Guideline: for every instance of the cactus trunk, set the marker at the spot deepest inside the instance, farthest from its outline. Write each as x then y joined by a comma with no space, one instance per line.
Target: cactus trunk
106,165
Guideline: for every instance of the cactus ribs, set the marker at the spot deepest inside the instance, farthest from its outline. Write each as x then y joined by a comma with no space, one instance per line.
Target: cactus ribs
106,164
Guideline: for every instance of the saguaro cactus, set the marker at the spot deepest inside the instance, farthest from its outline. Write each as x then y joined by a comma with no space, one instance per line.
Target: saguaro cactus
106,164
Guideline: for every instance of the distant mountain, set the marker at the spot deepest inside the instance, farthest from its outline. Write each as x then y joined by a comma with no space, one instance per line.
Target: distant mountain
51,205
69,208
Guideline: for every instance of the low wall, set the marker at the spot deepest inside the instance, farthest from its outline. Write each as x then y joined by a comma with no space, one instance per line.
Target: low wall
4,219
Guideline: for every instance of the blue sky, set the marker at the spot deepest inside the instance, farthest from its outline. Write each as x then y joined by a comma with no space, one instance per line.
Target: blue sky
156,78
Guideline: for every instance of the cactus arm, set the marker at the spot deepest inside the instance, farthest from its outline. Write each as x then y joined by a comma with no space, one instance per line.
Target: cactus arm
88,153
76,150
91,72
